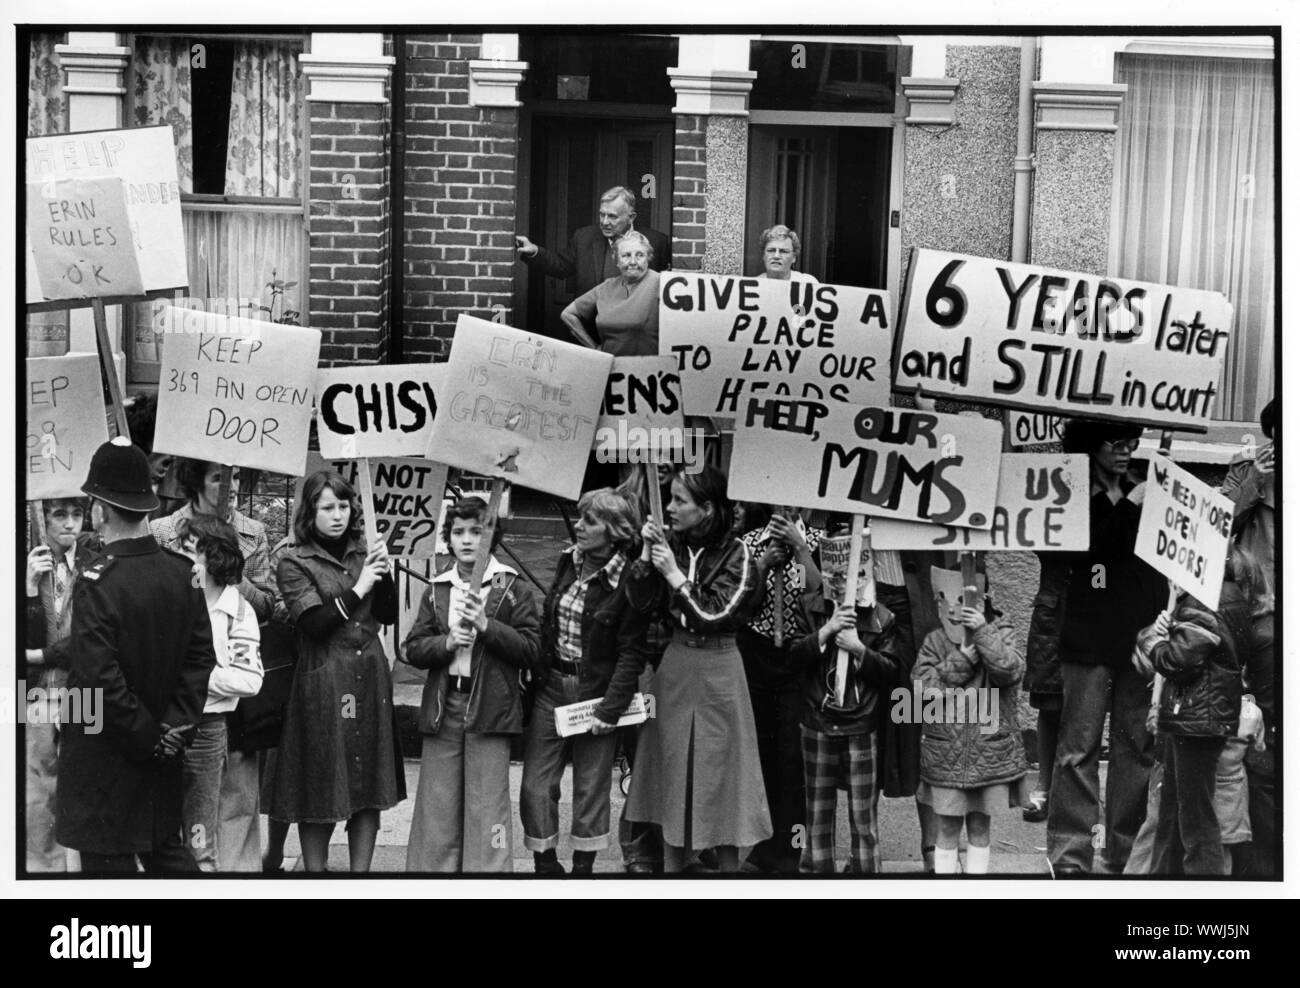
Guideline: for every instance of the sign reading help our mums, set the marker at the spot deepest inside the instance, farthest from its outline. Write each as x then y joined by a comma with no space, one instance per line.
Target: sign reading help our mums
81,239
1057,341
1042,506
1184,530
408,499
642,409
65,423
236,391
386,410
519,407
61,170
881,462
733,337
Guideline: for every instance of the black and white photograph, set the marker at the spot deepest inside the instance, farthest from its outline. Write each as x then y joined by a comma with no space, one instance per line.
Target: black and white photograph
771,458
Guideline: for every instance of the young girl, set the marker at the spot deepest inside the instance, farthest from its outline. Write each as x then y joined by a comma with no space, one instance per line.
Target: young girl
212,782
969,767
338,757
474,641
697,771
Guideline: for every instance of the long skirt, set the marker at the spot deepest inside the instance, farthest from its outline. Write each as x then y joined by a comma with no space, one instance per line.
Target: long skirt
697,770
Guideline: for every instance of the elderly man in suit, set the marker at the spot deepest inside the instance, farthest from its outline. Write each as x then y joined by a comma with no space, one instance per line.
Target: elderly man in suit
590,257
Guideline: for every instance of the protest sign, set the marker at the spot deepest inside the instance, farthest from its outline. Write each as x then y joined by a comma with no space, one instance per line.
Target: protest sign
519,407
577,718
236,391
835,551
408,495
733,337
881,462
1184,530
641,412
386,410
143,159
81,239
1042,506
1029,428
65,423
1074,344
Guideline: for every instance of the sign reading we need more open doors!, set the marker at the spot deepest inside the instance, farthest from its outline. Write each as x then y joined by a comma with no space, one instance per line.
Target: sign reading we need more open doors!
1073,344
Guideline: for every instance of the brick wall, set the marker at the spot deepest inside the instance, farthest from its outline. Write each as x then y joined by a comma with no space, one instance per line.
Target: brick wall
690,166
348,250
460,196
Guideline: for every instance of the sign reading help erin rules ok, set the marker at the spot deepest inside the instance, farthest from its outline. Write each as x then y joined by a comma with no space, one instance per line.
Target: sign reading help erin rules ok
519,407
235,391
1036,338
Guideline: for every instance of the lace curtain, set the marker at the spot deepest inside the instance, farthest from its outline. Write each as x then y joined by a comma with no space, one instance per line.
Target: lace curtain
1194,195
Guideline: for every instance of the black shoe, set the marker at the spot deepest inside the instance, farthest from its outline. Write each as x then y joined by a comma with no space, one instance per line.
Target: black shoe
1036,811
640,868
546,863
583,862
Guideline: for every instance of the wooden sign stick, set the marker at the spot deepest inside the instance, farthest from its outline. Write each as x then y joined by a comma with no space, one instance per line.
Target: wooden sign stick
105,348
223,493
778,606
367,493
1167,449
485,547
970,591
653,493
850,597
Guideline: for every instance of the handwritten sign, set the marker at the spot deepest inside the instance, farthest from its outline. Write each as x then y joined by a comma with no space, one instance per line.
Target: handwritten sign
1184,530
144,160
1057,341
1031,428
408,499
642,410
519,407
733,337
835,551
577,718
65,423
236,391
882,462
81,239
376,411
1042,507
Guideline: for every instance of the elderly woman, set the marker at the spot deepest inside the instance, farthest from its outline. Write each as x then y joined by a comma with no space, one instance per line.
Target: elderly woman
781,251
625,308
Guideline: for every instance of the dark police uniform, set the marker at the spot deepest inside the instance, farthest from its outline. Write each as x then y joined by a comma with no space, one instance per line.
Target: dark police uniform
141,635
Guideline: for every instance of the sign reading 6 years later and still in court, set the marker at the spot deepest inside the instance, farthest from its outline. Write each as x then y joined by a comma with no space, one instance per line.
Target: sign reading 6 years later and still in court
1023,336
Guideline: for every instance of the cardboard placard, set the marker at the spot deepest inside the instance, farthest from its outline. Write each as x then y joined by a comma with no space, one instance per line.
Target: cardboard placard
81,239
1185,529
408,499
642,411
65,423
835,551
236,391
1042,506
1033,428
144,160
519,407
577,718
385,410
881,462
732,337
1030,337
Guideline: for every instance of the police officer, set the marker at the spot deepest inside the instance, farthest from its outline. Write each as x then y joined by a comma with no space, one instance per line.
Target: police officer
142,638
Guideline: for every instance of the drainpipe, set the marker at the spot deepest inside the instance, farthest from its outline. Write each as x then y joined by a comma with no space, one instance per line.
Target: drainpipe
397,205
1024,164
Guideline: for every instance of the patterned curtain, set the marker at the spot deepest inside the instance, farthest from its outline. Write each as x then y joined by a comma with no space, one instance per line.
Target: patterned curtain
163,95
264,147
47,111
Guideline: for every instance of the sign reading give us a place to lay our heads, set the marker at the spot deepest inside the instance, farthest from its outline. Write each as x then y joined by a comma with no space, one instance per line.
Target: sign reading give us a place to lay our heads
235,391
880,462
103,215
1030,337
733,337
519,407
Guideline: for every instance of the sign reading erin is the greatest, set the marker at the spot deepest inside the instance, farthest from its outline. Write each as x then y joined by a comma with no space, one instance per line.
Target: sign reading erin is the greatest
733,337
144,160
519,407
236,391
1057,341
882,462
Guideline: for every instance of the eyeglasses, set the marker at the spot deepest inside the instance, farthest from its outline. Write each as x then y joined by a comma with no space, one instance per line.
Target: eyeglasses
1120,445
